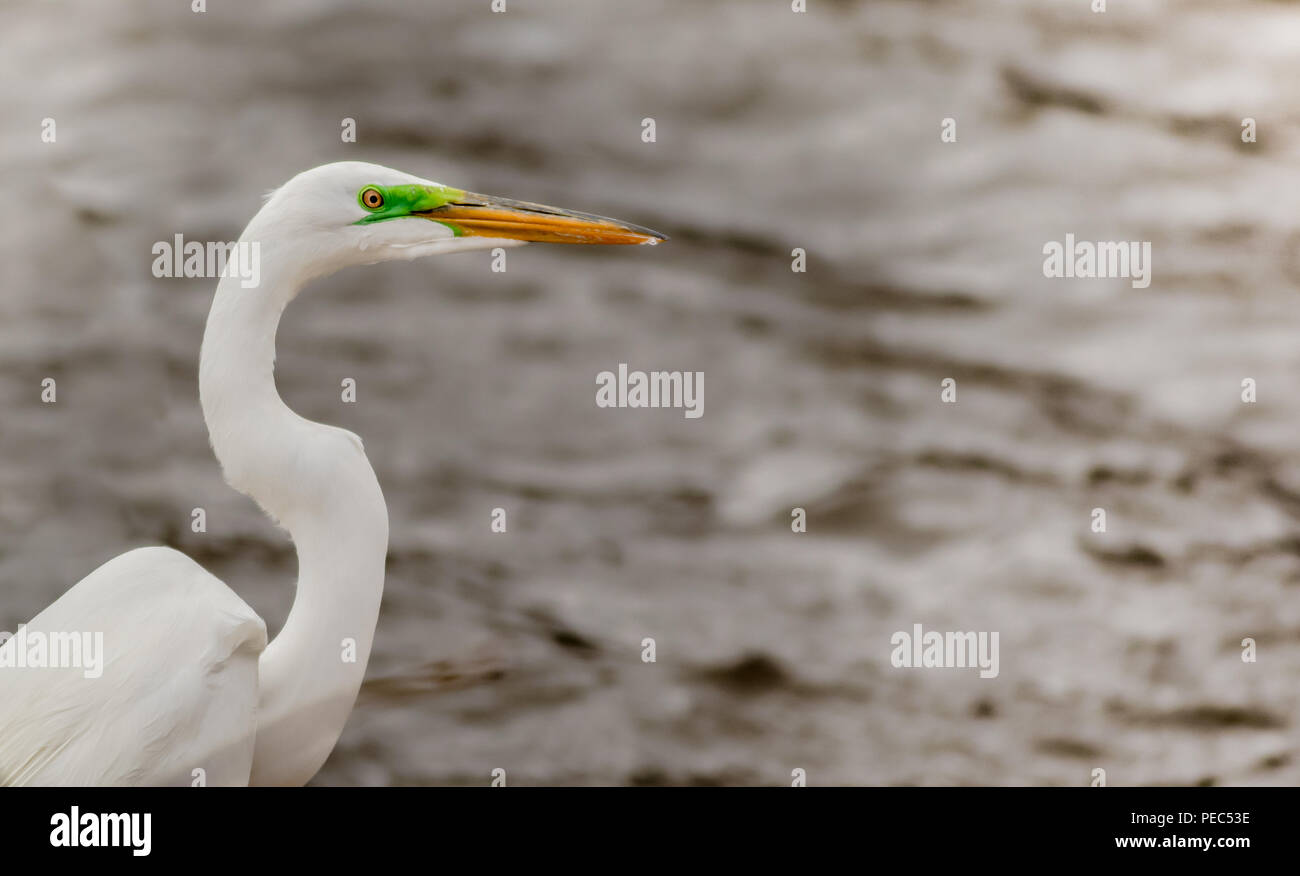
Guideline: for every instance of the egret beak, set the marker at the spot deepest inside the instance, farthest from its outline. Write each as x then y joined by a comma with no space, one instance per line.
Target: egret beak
471,215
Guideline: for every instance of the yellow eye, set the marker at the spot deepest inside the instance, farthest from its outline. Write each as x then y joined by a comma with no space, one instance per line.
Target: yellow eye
371,199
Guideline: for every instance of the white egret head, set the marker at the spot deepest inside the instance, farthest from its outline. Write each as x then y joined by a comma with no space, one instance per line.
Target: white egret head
351,212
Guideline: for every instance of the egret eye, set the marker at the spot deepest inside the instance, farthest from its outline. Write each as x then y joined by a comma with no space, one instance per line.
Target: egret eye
371,199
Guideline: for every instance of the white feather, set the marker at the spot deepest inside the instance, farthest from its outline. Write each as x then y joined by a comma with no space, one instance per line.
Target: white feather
178,690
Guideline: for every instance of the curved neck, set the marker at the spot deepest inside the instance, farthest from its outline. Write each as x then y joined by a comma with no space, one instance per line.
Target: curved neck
316,482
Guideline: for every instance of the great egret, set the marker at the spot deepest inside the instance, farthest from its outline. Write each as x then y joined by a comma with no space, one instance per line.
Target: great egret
188,682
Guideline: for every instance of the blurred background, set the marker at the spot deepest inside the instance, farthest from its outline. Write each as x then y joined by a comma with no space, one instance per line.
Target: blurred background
476,389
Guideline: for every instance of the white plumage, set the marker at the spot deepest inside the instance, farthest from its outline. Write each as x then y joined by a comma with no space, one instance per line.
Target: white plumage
179,695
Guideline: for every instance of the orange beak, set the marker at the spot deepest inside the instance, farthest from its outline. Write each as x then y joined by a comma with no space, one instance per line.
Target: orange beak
474,215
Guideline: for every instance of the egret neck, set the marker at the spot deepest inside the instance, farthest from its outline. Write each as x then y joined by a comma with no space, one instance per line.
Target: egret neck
316,482
315,479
